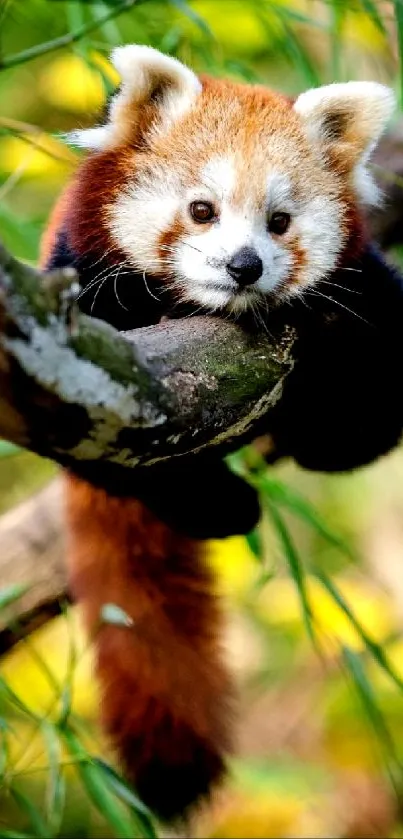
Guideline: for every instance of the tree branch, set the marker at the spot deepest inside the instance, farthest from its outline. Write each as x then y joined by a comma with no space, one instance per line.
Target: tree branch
74,389
65,40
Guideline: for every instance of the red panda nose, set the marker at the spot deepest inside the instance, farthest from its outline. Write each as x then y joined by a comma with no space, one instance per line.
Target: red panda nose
245,266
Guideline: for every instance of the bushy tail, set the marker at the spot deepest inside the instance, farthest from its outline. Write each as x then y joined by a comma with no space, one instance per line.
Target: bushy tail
166,696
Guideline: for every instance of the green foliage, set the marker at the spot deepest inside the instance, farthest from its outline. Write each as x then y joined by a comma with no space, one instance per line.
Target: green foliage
274,496
108,794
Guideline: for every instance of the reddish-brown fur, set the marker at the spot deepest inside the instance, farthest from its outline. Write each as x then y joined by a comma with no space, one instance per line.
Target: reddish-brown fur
166,697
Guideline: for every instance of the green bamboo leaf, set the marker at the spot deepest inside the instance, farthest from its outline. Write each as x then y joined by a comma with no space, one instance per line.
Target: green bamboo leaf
374,714
4,749
68,39
190,13
15,700
398,7
55,792
10,594
110,28
97,788
25,804
247,73
365,691
42,664
129,797
371,10
281,494
255,543
298,17
170,40
66,699
375,649
293,48
295,566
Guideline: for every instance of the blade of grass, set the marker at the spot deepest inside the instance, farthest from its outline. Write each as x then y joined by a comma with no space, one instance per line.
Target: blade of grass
75,22
42,664
295,566
298,17
285,496
56,789
4,749
398,9
65,40
375,649
190,13
364,690
255,543
26,805
110,28
15,700
371,10
97,788
128,796
293,48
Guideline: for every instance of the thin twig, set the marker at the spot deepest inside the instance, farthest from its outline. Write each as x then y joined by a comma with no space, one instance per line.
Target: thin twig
64,40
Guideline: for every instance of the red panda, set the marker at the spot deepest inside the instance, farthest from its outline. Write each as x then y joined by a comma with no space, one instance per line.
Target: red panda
198,195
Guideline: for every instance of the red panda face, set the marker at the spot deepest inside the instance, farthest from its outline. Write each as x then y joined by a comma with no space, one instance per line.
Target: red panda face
231,193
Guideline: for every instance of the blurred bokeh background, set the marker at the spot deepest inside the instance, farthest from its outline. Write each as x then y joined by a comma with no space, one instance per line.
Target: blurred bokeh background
315,597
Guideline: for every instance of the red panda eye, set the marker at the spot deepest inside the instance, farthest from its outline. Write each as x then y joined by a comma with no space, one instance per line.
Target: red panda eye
279,223
202,211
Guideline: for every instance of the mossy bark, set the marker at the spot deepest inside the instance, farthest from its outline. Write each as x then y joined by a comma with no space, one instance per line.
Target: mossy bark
74,389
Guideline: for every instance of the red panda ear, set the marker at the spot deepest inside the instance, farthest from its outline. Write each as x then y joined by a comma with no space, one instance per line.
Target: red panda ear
155,91
345,121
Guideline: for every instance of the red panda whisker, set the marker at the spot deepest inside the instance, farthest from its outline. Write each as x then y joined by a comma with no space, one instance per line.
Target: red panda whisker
336,285
103,255
102,283
96,280
183,242
88,287
314,292
192,314
148,290
262,322
115,289
356,270
99,277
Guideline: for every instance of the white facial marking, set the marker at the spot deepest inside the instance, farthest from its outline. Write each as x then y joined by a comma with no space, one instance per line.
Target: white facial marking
196,263
203,255
142,213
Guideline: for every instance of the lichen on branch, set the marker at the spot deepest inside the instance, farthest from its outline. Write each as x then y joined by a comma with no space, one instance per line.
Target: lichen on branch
74,389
